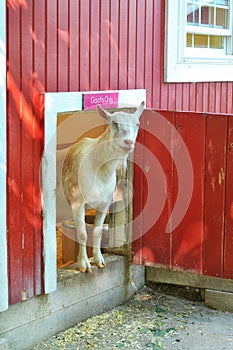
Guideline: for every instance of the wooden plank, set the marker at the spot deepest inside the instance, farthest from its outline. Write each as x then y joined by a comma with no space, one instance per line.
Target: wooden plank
104,46
219,300
114,35
205,92
140,54
26,161
138,198
160,47
38,126
123,44
132,44
171,96
13,158
185,278
229,108
74,45
63,46
84,62
218,97
179,98
212,98
3,161
187,238
149,51
199,97
214,200
223,106
51,47
192,97
228,249
186,99
156,242
158,64
95,38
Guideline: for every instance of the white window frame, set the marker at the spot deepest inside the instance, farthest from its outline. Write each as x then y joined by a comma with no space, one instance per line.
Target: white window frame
177,67
3,240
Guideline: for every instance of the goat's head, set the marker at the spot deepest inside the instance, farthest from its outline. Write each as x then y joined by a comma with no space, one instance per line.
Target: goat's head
123,127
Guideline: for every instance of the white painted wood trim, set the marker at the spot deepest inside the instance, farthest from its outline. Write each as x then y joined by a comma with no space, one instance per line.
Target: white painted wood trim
3,161
55,103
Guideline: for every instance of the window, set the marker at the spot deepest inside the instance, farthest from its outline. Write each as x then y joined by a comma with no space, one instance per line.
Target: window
198,42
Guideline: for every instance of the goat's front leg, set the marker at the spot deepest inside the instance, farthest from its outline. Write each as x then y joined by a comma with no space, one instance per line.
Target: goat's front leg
81,234
97,235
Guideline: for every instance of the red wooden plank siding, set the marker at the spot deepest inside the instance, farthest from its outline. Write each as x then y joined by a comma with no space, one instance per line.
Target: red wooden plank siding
155,247
140,45
84,63
27,211
63,45
215,171
149,27
95,45
114,45
132,44
14,233
51,47
39,73
139,196
74,38
157,54
228,249
123,44
188,236
104,45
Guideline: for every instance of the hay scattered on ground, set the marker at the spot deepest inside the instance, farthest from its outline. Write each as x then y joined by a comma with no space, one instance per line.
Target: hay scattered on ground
152,319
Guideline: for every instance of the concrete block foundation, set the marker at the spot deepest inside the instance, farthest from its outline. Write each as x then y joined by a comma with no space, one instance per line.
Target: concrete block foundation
78,297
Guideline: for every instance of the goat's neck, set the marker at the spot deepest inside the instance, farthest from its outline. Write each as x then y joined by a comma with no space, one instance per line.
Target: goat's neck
109,156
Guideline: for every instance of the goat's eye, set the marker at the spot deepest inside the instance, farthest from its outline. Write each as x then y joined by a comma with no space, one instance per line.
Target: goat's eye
115,124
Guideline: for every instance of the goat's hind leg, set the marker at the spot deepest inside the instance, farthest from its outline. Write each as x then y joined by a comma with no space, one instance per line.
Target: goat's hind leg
97,236
81,234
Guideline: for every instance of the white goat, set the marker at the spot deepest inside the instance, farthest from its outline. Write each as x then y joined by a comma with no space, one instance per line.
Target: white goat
88,176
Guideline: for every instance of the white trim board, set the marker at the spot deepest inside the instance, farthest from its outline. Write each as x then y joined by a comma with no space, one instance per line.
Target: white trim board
55,103
3,242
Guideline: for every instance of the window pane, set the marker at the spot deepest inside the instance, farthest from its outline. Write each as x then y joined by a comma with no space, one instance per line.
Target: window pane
189,40
200,40
192,14
207,15
222,2
216,42
221,18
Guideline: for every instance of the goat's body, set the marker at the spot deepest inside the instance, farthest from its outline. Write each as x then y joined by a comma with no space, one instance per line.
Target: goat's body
86,178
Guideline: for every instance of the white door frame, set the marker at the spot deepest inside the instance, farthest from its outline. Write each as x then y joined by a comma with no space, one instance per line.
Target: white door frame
54,103
3,162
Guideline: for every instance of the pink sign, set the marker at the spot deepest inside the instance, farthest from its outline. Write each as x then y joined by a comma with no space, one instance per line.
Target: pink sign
106,100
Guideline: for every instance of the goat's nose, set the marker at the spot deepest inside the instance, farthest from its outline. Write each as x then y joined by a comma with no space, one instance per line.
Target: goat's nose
129,142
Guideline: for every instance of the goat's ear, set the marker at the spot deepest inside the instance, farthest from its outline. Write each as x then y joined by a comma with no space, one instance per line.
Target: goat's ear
103,113
139,111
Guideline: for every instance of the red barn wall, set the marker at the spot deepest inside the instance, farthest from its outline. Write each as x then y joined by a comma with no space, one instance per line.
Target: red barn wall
77,45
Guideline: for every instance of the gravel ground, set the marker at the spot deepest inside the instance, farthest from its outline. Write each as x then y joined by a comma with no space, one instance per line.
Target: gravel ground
157,317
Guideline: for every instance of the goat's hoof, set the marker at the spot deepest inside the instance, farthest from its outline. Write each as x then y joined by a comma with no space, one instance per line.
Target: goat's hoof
83,269
101,265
